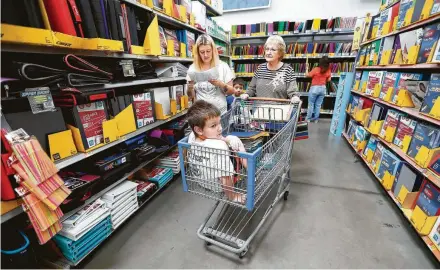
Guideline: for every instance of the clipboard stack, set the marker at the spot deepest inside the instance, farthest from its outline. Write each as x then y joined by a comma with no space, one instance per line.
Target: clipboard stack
84,231
171,161
122,202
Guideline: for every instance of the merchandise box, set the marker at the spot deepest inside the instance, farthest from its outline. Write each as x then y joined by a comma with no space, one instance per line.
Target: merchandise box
431,35
425,137
435,234
390,125
404,133
429,199
95,44
431,103
85,121
377,157
408,178
389,163
143,105
390,83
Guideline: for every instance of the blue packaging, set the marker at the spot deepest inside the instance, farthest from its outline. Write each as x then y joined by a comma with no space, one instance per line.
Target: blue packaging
435,165
431,94
405,5
425,135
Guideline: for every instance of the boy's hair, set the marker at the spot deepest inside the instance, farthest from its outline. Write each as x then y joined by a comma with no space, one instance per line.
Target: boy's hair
238,81
324,64
200,112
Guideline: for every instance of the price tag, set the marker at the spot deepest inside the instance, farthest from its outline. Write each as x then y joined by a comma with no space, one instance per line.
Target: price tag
127,68
40,99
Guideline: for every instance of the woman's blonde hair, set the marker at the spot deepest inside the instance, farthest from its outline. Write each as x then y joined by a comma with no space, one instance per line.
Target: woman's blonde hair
205,40
279,43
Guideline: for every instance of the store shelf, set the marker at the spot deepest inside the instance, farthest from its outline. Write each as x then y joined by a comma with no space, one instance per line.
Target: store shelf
172,59
407,28
425,172
408,111
405,212
342,33
134,83
323,112
259,58
71,160
389,67
224,55
212,12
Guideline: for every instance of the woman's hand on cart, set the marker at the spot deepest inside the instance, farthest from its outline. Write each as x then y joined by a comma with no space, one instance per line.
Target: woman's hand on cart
295,99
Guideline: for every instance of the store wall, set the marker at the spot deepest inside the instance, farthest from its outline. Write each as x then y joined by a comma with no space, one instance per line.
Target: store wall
284,10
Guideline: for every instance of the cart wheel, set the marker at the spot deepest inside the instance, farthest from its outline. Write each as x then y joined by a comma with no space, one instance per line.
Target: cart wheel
208,243
242,254
286,194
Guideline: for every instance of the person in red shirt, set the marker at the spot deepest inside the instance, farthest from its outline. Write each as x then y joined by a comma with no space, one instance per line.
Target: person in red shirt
320,76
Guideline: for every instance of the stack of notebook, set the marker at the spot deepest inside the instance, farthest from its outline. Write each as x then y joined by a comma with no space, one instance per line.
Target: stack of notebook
84,231
251,140
171,161
122,202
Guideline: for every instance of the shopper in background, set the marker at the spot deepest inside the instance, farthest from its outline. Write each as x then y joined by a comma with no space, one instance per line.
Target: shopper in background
320,76
214,91
273,79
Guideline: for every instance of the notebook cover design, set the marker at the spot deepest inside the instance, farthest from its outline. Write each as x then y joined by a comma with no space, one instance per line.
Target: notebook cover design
432,94
406,127
391,120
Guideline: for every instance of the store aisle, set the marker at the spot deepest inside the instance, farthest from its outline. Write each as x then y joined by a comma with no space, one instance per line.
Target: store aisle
336,217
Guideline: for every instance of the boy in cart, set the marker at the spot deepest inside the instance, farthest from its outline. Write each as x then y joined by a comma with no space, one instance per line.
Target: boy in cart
209,156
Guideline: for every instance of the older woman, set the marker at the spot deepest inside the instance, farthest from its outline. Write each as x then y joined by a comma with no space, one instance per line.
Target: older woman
213,91
273,79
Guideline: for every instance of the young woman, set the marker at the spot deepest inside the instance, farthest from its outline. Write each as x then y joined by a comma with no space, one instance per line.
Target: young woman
273,79
214,91
320,76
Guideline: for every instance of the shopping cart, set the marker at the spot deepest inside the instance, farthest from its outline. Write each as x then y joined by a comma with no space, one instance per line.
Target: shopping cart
246,185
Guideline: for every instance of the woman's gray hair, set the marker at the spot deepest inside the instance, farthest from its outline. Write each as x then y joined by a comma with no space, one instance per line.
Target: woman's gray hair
279,43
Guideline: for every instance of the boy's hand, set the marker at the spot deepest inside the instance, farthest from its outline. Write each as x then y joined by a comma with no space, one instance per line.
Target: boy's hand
235,143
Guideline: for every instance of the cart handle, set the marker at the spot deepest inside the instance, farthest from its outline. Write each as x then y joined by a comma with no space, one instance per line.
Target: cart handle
269,99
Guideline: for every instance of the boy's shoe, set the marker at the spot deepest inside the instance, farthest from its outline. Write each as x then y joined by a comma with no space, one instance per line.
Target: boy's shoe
316,121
